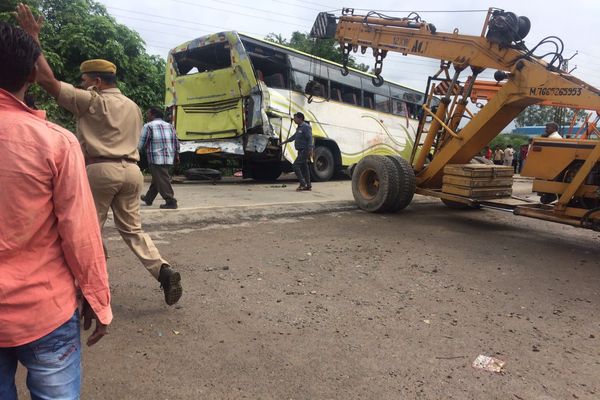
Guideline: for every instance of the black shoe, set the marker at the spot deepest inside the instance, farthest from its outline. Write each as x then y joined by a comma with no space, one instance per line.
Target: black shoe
170,282
143,197
169,206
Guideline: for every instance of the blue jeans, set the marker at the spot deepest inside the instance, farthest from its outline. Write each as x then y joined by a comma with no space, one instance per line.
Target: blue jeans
53,365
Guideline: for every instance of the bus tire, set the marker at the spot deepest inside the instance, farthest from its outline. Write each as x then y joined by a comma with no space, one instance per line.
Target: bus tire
202,174
407,183
375,184
323,166
268,172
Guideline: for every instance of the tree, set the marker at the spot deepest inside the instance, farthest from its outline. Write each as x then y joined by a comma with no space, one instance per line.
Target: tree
541,115
77,30
323,48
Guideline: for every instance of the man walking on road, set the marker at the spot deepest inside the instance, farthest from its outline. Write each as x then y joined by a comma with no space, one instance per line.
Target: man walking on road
50,243
159,142
108,128
303,143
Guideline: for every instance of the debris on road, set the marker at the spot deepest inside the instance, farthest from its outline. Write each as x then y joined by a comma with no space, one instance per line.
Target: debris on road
490,364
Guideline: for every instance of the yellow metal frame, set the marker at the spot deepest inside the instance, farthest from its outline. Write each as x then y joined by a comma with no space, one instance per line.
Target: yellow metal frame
529,81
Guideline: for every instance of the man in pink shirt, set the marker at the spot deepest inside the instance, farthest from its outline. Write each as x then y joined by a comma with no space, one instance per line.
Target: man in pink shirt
50,244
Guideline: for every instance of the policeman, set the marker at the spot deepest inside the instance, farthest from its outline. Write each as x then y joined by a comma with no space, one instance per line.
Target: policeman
108,128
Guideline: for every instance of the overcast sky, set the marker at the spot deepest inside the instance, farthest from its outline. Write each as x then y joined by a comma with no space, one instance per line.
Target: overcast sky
164,24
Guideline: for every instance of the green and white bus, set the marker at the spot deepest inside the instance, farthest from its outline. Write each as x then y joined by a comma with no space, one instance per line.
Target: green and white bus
232,95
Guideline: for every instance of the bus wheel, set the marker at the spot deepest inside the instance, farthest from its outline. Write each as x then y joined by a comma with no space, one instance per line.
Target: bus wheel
375,184
406,183
266,171
323,166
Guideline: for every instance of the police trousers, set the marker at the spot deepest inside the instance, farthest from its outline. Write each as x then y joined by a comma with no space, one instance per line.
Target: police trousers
117,186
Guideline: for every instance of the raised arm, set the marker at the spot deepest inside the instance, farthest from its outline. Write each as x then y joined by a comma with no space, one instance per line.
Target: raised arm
31,25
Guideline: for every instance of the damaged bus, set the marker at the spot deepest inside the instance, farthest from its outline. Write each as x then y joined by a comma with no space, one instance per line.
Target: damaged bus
232,96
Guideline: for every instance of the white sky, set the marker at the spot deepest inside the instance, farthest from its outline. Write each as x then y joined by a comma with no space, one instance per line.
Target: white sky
163,24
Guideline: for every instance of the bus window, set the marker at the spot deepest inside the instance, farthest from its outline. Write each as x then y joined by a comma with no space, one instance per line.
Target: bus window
399,108
202,59
305,83
368,85
368,100
276,80
345,93
269,64
382,103
300,80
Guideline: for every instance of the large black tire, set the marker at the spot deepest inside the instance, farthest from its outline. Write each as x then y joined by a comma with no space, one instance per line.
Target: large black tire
323,167
268,172
375,184
407,183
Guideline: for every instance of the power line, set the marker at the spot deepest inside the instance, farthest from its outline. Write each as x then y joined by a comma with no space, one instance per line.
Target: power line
303,6
237,12
325,6
179,26
260,9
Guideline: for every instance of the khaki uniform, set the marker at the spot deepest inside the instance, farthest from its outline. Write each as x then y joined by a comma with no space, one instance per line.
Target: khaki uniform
108,128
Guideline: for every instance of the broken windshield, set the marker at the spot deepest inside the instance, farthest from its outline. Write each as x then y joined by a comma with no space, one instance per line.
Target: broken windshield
203,59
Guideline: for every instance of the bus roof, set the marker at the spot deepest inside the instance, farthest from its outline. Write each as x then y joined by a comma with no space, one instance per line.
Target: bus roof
292,50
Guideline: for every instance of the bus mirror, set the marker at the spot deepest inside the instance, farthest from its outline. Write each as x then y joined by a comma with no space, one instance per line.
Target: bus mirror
313,88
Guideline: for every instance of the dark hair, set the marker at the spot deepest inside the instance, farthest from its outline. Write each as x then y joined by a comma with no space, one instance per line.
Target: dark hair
18,54
29,101
553,125
108,78
299,115
156,112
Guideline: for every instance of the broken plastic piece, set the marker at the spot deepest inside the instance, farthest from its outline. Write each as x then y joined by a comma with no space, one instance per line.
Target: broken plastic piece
490,364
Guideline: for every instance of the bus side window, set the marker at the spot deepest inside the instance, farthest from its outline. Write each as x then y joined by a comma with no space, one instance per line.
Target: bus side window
275,81
259,75
349,97
336,94
368,100
399,108
382,103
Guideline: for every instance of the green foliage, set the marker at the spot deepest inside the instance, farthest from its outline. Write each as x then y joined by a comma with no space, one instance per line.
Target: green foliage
505,139
541,115
323,48
78,30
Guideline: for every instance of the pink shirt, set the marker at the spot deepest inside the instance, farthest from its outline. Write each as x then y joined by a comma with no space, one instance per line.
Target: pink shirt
49,233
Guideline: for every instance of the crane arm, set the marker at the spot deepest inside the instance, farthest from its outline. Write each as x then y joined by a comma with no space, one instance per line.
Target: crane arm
528,79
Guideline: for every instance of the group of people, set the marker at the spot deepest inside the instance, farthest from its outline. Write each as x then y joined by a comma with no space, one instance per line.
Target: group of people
508,156
57,189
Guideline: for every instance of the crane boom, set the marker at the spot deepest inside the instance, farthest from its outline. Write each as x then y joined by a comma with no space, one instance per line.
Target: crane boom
529,80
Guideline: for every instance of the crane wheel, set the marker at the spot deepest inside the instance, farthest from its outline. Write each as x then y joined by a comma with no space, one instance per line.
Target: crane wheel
406,183
375,184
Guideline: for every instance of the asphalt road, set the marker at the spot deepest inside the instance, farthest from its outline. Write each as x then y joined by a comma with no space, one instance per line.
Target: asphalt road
300,296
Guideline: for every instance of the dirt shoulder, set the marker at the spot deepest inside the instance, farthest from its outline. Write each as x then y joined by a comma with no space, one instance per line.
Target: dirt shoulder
353,305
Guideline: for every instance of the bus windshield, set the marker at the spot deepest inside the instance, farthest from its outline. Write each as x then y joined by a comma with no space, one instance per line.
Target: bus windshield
203,59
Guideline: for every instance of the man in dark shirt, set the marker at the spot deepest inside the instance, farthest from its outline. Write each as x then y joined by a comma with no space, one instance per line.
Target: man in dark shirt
303,143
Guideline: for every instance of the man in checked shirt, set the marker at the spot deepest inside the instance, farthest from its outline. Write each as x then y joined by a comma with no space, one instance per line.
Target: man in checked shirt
159,141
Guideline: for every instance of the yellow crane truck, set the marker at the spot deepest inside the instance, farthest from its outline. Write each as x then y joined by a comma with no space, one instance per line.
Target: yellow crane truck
566,171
